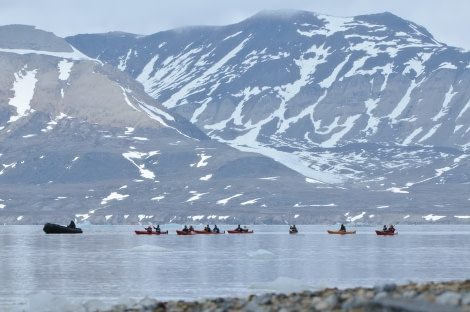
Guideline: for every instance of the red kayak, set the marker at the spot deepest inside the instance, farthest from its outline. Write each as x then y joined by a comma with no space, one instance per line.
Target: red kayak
240,232
181,232
150,233
292,232
385,232
205,232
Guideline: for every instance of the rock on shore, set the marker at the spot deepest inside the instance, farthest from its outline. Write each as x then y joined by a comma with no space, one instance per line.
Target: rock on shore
430,297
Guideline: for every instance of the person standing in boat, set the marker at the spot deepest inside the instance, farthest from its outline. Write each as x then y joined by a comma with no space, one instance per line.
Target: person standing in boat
71,225
343,228
157,229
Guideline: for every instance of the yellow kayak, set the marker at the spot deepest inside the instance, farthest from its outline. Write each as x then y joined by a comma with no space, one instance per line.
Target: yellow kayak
341,232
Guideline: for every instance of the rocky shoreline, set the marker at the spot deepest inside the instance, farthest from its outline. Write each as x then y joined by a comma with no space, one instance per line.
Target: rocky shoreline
429,297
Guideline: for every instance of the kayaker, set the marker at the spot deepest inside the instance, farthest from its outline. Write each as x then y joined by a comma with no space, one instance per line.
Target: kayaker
239,228
149,229
71,225
391,228
157,229
216,229
385,228
185,229
343,228
207,228
293,228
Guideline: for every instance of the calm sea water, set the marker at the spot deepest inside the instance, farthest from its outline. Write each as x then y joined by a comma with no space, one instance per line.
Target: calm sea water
110,264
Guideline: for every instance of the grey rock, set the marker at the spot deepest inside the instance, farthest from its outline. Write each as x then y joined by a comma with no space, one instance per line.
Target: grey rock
449,298
406,305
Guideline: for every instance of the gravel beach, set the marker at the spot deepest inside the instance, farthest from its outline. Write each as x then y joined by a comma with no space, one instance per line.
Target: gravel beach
429,297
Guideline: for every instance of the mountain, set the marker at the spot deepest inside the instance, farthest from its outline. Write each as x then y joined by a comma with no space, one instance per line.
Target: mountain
370,102
80,139
286,117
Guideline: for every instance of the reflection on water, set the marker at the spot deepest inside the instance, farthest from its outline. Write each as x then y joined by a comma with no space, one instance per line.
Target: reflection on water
111,263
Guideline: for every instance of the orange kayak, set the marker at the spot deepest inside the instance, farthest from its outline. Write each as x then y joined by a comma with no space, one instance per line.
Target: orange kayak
185,233
211,232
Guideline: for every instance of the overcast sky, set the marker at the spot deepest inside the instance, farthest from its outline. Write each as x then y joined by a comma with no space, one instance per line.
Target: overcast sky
448,21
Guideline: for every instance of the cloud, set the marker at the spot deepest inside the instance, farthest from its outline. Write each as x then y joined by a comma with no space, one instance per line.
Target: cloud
447,21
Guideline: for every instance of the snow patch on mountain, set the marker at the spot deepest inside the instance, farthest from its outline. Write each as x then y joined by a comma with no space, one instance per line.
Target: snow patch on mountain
132,156
432,217
195,196
23,87
65,67
202,162
250,202
223,202
113,196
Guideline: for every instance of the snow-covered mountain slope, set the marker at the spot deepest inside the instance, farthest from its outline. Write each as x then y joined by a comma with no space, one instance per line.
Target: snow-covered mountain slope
82,140
302,70
367,102
362,119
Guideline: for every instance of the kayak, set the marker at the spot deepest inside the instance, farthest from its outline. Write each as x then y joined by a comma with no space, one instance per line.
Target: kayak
211,232
341,232
150,233
50,228
293,232
181,232
239,232
385,232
